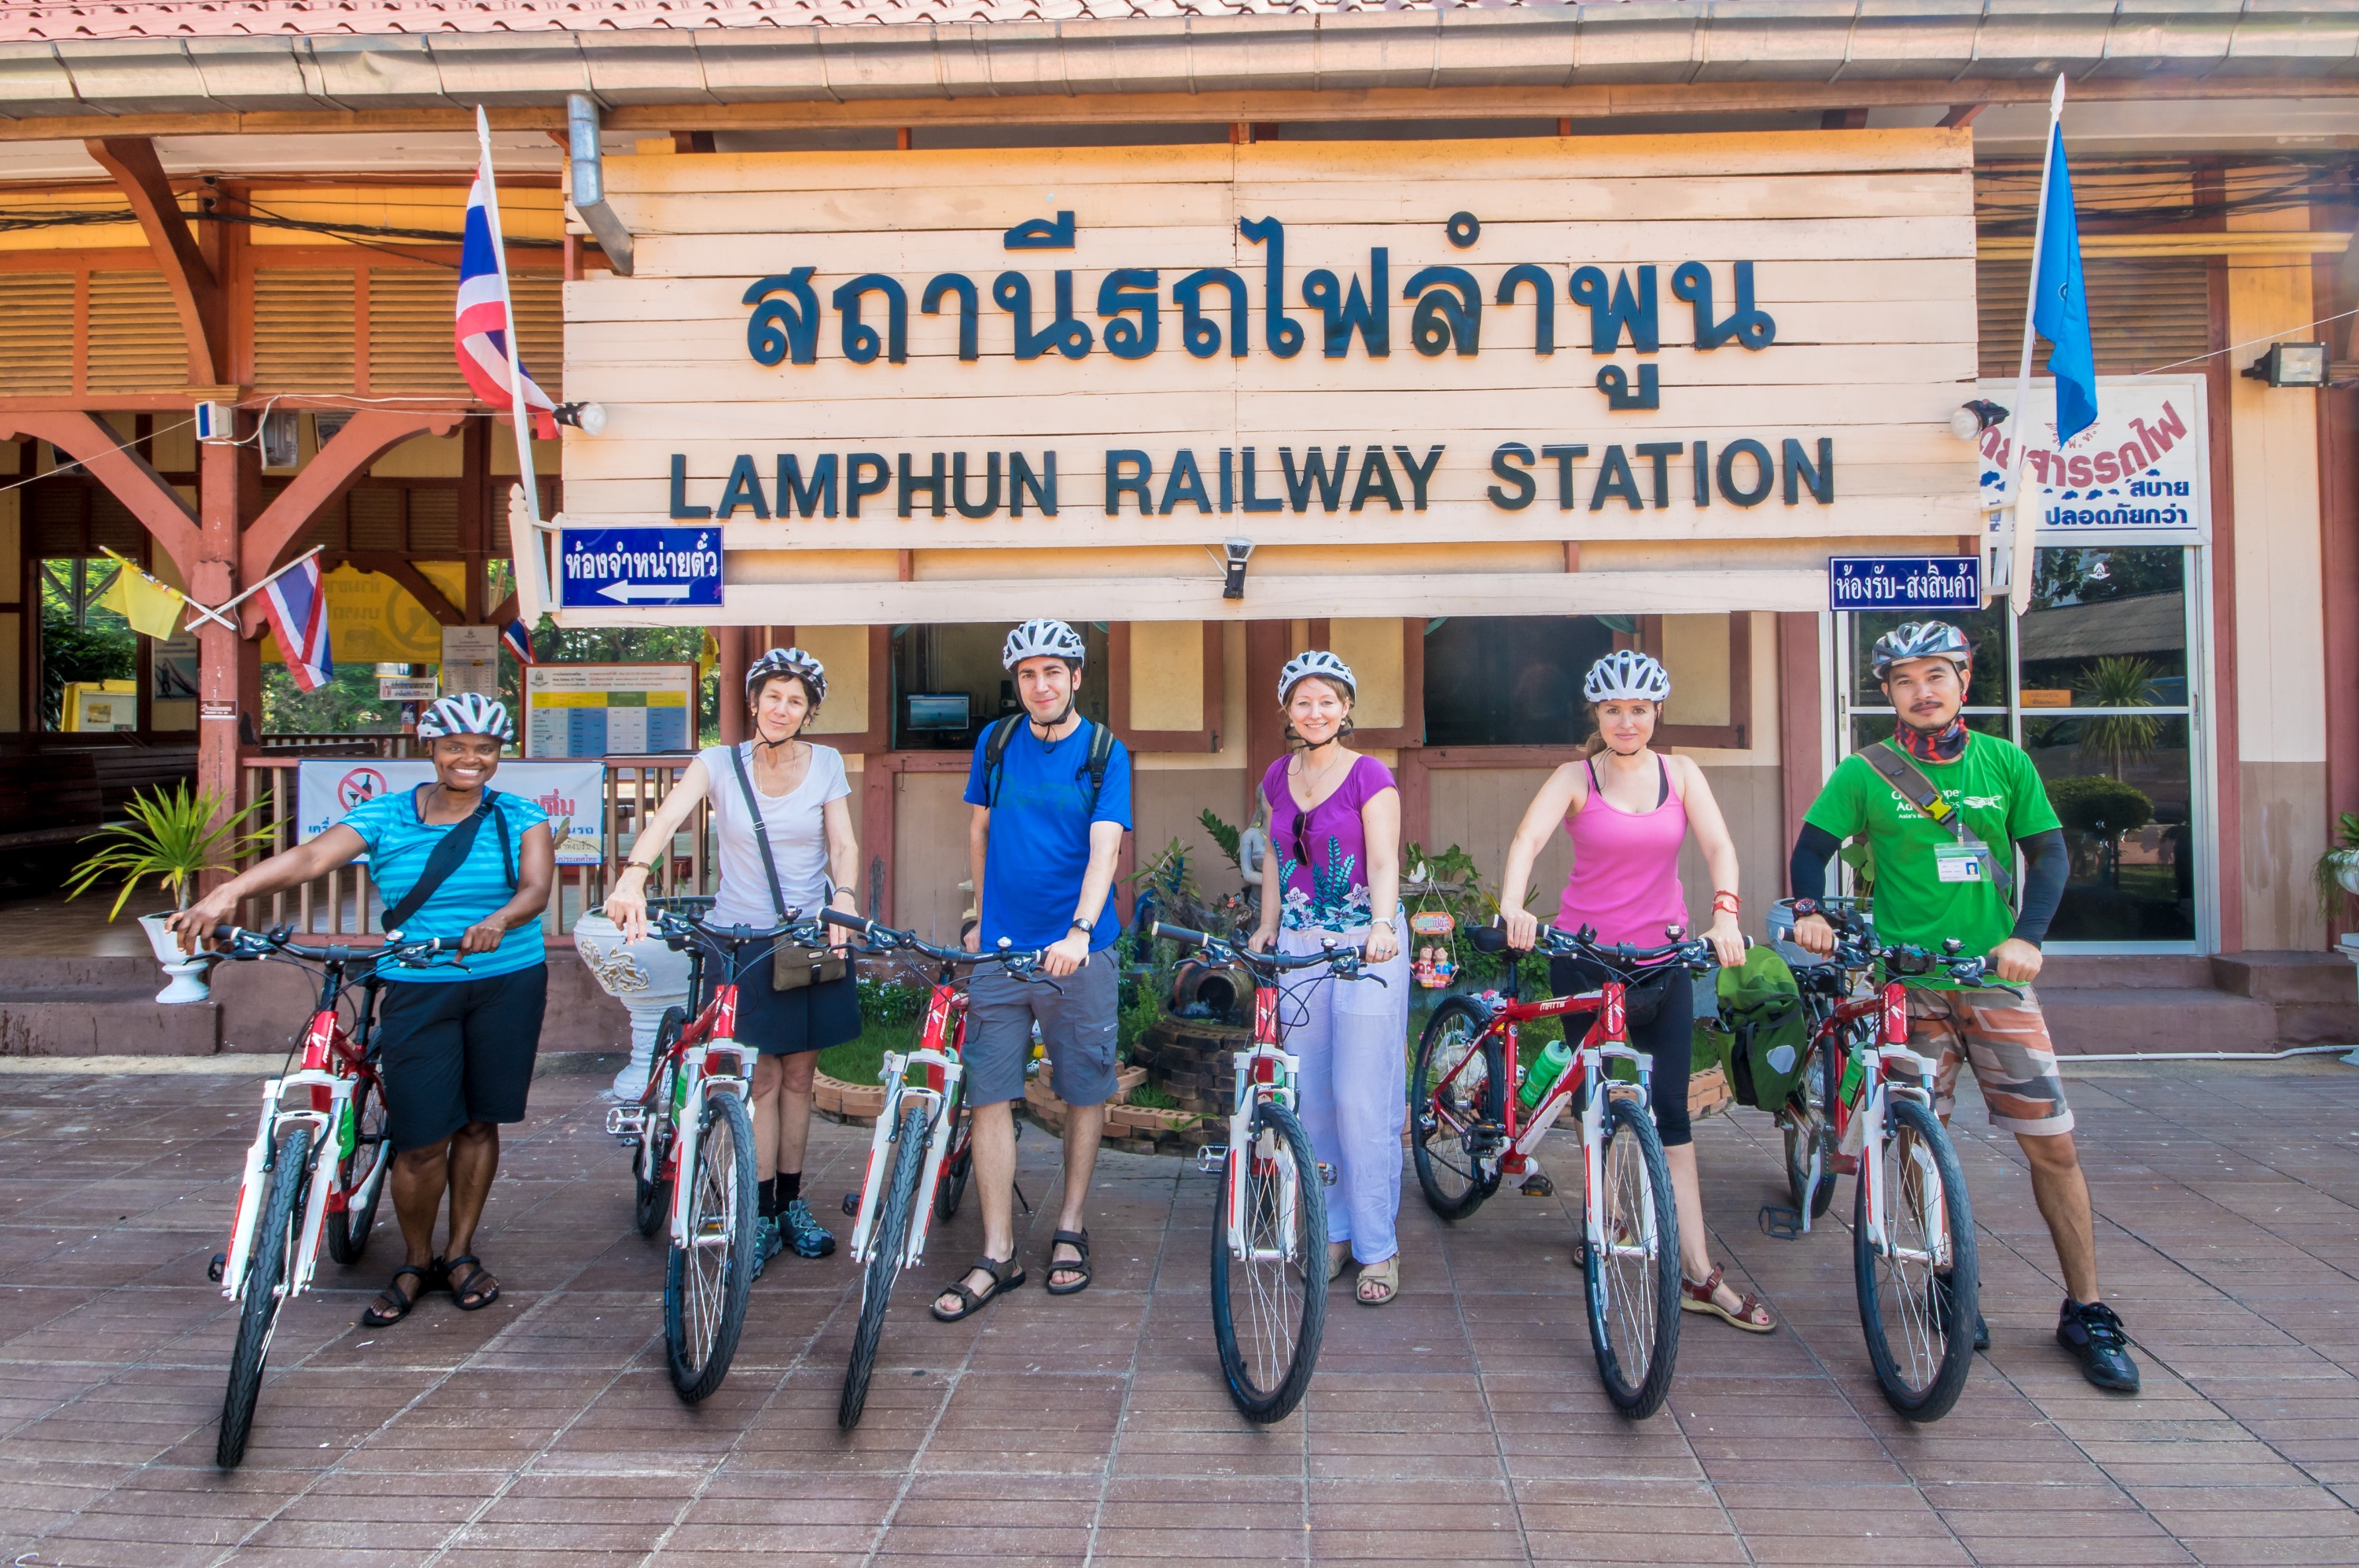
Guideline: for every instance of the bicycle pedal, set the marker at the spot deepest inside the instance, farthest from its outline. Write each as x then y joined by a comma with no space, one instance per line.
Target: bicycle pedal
1780,1222
1212,1158
1326,1173
627,1122
217,1267
852,1203
1537,1185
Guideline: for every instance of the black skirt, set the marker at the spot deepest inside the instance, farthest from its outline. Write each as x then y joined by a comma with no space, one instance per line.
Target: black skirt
782,1023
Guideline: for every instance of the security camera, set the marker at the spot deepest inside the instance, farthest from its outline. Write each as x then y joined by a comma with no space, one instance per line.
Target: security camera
1240,550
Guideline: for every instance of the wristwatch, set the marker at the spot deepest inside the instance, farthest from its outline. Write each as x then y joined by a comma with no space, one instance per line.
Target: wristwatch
1805,906
1390,925
1082,926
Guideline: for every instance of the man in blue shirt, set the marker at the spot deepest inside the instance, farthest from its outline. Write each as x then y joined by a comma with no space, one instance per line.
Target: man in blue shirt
455,1042
1051,798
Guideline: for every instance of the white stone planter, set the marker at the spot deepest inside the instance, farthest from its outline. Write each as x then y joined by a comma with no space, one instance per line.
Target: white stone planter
189,979
2347,872
646,977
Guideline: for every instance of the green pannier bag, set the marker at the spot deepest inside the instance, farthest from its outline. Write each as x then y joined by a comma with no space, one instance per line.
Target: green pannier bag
1761,1008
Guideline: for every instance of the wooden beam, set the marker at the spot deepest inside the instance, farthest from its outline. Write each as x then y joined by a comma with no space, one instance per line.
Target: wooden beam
130,161
1843,120
1961,115
368,434
402,570
502,613
113,462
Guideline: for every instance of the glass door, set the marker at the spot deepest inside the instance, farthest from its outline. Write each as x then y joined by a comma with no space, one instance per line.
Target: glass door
2099,683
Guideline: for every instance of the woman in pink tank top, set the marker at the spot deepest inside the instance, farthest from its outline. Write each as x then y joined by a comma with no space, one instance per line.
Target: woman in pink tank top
1628,809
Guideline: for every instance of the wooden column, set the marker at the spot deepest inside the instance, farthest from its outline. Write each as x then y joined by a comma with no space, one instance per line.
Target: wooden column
2227,750
732,671
1268,644
2338,517
225,658
1801,720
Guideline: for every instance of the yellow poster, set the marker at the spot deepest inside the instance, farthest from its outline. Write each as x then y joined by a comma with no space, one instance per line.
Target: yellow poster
371,619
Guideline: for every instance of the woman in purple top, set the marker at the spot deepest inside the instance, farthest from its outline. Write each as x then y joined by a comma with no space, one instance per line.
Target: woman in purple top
1333,874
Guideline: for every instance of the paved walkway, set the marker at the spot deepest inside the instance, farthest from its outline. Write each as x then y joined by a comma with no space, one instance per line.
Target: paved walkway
1462,1425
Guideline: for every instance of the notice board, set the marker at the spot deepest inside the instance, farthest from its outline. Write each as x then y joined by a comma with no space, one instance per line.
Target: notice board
602,710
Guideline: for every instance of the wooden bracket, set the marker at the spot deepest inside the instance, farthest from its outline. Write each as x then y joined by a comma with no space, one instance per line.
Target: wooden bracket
366,435
132,163
117,464
1961,114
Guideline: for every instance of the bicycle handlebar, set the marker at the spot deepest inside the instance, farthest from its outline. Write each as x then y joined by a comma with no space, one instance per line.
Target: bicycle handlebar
679,930
885,940
1345,961
1904,959
239,943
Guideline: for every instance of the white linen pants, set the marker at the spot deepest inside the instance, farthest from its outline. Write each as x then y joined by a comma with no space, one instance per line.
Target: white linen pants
1351,1040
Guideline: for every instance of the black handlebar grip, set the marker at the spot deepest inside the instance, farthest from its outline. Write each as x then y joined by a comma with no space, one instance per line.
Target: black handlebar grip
848,920
1178,933
225,934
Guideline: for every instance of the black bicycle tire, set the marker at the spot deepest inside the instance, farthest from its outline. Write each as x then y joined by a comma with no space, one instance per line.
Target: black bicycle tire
1966,1278
651,1193
1420,1095
695,1383
1821,1068
1640,1398
1267,1408
953,1191
884,1249
266,1270
348,1232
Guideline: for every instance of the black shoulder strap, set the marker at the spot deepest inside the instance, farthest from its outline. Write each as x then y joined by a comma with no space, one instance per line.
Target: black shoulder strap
1100,756
761,830
1896,769
448,856
994,751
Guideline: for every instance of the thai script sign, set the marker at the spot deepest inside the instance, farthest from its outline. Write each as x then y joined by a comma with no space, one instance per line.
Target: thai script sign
2141,474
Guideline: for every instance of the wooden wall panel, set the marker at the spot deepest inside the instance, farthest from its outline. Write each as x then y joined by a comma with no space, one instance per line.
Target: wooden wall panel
929,825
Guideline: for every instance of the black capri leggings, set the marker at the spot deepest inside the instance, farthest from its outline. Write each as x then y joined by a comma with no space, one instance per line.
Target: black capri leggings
1662,1024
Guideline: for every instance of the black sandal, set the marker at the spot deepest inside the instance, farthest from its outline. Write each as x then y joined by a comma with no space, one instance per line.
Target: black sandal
376,1315
463,1289
1006,1275
1079,1240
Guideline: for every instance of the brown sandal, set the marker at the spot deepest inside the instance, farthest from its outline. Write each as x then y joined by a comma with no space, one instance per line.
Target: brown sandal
1750,1314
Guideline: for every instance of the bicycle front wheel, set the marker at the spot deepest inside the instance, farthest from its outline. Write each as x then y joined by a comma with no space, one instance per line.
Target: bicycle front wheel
267,1273
1918,1281
1456,1103
1631,1265
707,1285
885,1244
363,1168
1809,1129
1269,1302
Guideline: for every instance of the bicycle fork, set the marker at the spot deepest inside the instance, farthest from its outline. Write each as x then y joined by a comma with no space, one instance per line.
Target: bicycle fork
941,1092
1874,1114
276,1116
1264,1073
720,1065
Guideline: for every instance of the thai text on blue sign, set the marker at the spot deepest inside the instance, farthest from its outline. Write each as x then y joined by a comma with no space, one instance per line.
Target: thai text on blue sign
601,568
1905,583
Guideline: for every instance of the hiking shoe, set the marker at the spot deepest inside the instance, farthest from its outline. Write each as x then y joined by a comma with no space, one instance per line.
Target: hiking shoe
801,1229
2093,1333
768,1243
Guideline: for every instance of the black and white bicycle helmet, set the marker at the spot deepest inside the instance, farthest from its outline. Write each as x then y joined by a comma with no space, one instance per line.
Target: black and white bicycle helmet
1921,639
1035,640
465,713
791,661
1323,664
1624,673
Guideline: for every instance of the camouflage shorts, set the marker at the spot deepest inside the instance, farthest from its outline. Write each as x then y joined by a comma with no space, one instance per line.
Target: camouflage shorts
2007,1040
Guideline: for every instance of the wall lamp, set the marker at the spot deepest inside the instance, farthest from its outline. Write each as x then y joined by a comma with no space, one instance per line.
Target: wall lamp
590,419
2291,365
1240,550
1972,418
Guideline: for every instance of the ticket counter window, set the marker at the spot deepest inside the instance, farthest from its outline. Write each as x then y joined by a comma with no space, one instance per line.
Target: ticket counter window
2096,681
1512,680
948,685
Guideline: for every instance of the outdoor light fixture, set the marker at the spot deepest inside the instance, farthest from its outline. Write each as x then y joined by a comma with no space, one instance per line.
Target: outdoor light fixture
2291,365
1239,551
590,419
1972,418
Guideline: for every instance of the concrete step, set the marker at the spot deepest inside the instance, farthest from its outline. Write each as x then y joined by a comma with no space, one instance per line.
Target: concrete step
93,1020
2175,972
2102,1020
2327,978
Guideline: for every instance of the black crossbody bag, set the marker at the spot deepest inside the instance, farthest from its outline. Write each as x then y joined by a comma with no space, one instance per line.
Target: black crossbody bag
792,966
452,854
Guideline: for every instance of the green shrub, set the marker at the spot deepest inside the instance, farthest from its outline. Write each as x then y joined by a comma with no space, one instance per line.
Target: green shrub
2095,804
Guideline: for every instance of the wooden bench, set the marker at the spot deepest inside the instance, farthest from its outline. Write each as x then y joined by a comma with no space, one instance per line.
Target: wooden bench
57,796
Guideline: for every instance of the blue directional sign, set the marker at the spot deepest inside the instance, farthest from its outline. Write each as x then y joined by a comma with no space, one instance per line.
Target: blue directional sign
1905,581
602,569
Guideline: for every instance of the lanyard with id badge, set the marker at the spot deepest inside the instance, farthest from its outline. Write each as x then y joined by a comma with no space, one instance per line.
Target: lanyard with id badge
1969,859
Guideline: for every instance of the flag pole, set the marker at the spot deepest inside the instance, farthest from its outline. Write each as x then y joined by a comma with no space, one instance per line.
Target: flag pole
531,586
213,611
2019,537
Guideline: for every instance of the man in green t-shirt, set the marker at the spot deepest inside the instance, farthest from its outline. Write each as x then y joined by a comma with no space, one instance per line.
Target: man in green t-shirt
1932,885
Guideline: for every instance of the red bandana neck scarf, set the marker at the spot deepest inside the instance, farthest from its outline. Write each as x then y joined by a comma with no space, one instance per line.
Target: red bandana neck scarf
1945,746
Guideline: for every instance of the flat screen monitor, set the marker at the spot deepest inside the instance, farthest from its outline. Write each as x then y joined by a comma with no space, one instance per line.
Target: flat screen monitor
936,712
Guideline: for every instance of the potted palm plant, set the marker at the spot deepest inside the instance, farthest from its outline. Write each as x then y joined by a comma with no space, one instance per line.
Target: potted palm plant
2336,873
175,838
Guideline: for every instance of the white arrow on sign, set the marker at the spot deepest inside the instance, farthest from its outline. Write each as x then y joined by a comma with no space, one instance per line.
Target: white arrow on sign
624,593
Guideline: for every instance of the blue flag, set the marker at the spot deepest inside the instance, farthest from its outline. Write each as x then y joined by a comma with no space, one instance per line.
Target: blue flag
2060,302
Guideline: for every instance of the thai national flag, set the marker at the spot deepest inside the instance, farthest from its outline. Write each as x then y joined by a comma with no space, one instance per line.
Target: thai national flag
296,607
484,327
519,641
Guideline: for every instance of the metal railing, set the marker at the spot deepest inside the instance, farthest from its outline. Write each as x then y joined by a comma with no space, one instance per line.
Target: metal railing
346,903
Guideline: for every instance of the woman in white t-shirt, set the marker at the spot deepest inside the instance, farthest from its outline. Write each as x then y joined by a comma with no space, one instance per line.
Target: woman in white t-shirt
813,859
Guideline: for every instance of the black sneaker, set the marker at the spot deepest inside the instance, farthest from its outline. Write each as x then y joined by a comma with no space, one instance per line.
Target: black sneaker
1939,1306
2094,1335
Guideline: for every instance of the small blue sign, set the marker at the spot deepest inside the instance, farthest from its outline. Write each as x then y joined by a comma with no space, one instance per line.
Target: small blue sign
605,569
1905,581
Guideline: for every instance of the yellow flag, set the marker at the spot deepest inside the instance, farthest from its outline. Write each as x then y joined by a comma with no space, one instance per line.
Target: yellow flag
153,608
709,656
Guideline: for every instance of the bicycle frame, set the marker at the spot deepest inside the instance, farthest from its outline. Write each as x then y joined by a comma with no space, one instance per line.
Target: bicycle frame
705,1058
1265,1070
1869,1109
939,1052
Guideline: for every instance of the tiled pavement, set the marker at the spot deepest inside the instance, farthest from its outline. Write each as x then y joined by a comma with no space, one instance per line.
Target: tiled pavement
1463,1424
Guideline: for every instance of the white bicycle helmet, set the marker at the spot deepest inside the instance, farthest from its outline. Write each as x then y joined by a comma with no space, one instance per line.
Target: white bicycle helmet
1624,673
791,661
1921,639
1318,662
465,713
1035,640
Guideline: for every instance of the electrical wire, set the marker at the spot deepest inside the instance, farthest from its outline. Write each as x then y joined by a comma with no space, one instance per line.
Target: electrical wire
2251,343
